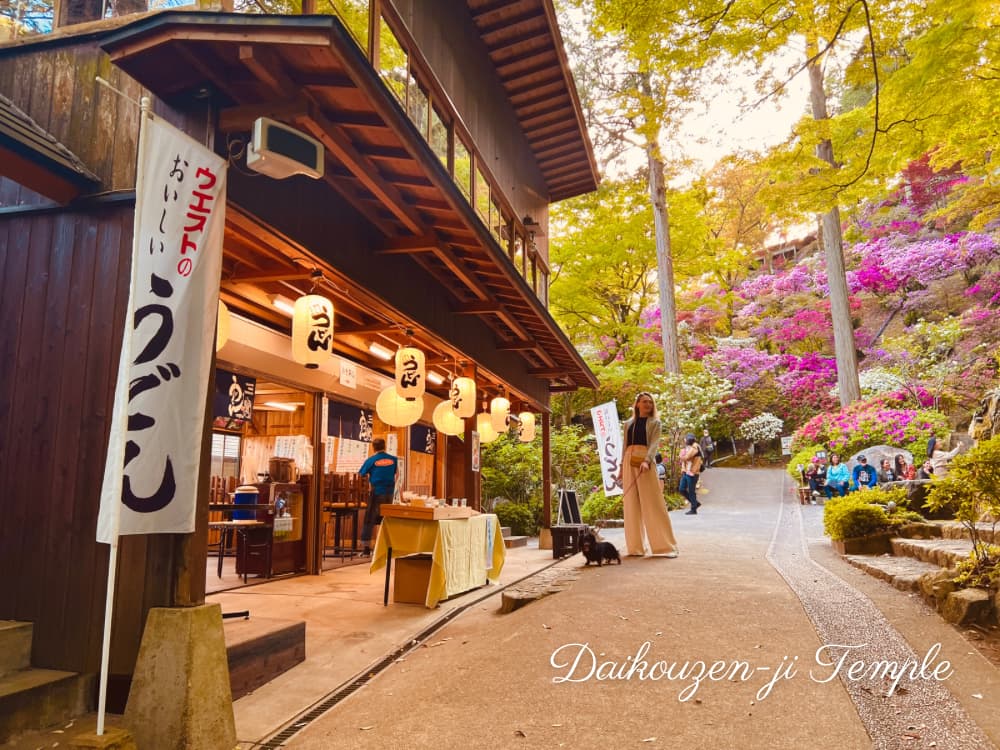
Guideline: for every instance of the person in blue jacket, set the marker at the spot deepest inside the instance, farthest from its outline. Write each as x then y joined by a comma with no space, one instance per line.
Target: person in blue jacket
864,476
380,468
838,478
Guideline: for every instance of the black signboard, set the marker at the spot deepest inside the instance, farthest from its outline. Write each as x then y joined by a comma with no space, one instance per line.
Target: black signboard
422,439
234,394
349,422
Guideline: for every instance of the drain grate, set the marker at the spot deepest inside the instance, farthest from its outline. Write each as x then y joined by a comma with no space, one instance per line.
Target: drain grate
346,690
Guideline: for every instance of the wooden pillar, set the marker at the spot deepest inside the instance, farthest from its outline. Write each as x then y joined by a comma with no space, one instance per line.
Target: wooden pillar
472,483
314,500
546,471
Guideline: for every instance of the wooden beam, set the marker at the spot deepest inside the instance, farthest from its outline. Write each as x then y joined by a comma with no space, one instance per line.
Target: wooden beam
266,66
405,245
341,146
549,372
563,388
456,266
261,278
366,329
526,345
477,308
237,119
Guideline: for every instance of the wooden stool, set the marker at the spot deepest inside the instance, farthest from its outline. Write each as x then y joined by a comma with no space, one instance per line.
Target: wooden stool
566,538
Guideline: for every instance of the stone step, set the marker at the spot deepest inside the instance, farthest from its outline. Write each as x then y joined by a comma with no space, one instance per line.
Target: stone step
956,530
15,646
944,553
902,573
515,541
32,699
505,531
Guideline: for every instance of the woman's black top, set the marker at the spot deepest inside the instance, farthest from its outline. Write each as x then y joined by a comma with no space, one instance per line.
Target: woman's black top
637,432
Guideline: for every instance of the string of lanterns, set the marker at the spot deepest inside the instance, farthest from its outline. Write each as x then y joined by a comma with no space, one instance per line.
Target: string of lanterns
402,403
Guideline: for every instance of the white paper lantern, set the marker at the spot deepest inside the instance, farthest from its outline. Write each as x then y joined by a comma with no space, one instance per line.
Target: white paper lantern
396,411
526,430
484,427
411,372
445,420
499,414
222,326
463,397
312,330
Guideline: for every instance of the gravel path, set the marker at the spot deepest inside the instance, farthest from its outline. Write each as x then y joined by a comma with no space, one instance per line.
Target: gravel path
918,711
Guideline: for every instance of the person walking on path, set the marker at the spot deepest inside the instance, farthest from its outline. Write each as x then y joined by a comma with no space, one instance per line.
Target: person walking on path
380,468
645,512
707,449
691,462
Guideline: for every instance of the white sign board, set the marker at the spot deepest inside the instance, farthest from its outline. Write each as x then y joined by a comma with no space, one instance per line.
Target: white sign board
786,446
609,448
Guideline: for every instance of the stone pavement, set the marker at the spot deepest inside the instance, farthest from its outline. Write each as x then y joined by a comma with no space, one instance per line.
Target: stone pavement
731,645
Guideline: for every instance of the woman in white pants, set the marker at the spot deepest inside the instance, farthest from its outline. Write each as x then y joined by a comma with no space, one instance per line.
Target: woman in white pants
645,511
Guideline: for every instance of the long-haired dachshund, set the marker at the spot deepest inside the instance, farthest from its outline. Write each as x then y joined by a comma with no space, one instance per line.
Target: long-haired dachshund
598,552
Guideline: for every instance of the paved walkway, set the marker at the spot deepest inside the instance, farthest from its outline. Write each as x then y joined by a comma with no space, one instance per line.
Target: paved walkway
717,648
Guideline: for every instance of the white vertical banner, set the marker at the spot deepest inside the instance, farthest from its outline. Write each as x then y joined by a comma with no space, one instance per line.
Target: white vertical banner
609,445
151,475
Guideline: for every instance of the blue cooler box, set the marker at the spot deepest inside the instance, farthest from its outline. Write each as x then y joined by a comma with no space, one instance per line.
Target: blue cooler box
245,495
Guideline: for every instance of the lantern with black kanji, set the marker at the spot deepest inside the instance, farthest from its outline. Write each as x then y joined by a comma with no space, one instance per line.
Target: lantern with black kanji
463,397
312,330
526,428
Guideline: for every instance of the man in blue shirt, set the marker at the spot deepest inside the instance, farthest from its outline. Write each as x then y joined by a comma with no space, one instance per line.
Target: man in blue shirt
864,476
380,468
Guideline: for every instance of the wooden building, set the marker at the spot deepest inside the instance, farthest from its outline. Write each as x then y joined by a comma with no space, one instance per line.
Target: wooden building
446,137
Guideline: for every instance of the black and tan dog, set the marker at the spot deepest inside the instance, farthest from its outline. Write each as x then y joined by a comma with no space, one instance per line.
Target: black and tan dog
598,552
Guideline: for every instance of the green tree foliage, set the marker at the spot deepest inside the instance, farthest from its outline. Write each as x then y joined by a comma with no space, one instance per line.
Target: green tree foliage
972,488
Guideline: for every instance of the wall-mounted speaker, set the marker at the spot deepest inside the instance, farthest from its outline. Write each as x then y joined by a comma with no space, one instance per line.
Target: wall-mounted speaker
280,151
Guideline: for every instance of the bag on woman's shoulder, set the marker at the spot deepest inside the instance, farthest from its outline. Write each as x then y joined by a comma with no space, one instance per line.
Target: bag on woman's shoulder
636,459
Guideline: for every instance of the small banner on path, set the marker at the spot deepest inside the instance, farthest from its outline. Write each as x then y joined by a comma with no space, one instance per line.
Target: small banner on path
609,448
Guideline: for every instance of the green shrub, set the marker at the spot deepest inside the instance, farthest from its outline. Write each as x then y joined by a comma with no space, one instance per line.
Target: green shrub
599,507
853,516
885,495
980,571
803,457
521,517
675,501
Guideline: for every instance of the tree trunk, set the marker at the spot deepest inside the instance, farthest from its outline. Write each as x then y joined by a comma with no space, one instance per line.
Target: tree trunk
843,332
664,260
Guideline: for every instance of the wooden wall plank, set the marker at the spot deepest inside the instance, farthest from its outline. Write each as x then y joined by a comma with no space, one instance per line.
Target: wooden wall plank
73,401
27,407
51,529
101,370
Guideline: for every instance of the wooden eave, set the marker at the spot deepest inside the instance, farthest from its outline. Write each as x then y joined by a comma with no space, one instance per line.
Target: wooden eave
526,48
31,156
308,71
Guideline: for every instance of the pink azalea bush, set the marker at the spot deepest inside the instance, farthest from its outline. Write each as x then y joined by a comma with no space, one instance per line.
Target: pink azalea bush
873,422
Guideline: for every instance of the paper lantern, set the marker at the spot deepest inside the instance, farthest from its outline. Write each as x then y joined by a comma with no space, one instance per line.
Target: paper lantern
484,426
312,330
445,420
526,430
222,326
499,414
396,411
463,397
411,372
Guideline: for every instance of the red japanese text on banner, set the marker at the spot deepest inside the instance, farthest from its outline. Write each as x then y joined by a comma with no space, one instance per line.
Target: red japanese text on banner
609,448
151,475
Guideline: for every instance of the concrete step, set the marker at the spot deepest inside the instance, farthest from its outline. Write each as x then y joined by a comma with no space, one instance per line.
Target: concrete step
15,646
32,699
515,541
944,553
505,531
902,573
259,649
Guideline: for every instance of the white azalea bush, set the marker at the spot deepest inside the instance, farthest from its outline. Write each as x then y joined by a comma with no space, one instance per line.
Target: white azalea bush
878,380
762,428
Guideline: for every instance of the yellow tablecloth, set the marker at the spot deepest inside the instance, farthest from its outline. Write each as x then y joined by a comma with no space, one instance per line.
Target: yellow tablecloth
465,552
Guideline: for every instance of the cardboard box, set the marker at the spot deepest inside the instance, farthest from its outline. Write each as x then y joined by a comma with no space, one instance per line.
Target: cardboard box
413,574
426,514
